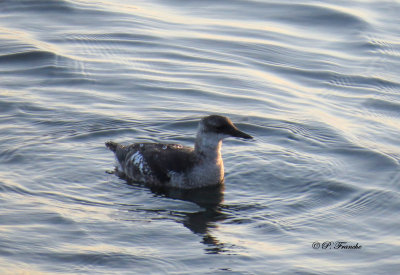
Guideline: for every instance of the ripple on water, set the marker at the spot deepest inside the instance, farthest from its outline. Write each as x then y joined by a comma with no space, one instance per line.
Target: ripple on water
38,6
9,187
372,203
365,159
385,47
24,58
363,82
39,67
330,17
389,108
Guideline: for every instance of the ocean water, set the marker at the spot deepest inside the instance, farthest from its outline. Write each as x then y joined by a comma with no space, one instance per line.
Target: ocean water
315,82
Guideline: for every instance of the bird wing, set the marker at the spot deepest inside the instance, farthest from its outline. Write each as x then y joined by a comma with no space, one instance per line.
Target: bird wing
162,159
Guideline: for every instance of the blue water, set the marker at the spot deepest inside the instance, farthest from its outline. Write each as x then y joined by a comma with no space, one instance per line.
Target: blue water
315,82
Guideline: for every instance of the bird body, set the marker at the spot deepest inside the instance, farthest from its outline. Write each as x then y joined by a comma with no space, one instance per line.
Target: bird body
174,165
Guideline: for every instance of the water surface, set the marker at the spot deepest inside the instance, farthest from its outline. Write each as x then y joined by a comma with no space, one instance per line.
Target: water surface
315,82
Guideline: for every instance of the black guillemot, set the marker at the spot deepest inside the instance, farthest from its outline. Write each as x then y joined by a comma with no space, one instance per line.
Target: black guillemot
174,165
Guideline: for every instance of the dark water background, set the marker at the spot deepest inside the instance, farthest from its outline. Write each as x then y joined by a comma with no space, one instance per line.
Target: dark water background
316,82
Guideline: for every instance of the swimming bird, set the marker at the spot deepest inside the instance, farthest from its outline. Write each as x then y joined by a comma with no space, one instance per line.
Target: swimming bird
174,165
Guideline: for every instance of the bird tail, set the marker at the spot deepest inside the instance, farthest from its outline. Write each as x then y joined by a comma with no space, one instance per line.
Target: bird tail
118,149
112,146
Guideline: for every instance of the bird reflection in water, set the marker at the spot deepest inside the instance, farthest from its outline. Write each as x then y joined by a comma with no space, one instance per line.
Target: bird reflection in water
202,222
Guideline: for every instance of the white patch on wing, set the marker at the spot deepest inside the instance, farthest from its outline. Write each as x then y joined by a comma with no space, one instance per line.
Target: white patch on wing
138,161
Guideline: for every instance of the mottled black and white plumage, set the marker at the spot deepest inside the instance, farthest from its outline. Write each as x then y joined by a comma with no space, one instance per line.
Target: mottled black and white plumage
174,165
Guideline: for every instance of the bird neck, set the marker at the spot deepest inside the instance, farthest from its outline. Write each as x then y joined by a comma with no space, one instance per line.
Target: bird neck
208,145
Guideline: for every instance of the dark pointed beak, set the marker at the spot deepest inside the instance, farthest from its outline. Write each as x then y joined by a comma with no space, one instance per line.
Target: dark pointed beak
237,133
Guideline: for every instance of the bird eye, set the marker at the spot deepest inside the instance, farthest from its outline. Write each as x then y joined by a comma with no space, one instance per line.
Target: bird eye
221,127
